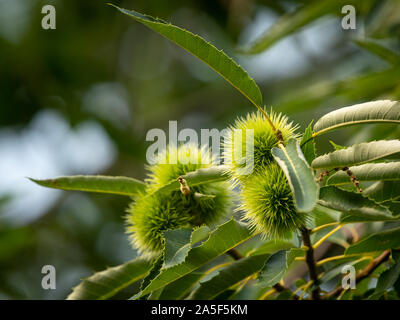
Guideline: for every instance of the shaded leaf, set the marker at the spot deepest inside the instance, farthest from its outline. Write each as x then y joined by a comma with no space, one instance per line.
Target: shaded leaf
103,184
384,111
308,145
368,172
225,237
383,191
388,278
380,51
103,285
358,154
354,207
180,288
299,175
273,270
229,276
376,242
291,23
206,52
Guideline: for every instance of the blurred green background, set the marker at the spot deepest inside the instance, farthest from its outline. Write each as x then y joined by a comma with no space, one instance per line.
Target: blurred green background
80,100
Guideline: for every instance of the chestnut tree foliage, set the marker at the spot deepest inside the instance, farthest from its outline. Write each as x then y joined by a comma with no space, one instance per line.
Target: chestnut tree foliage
183,219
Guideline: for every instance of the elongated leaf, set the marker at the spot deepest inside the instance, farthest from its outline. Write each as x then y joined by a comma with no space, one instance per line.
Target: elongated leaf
103,184
382,52
384,111
178,243
388,278
225,237
308,145
368,172
273,270
198,177
180,288
358,154
376,242
383,191
229,276
291,23
103,285
299,174
354,207
210,55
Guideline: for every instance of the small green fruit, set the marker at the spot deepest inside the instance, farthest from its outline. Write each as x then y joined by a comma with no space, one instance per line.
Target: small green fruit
268,205
235,146
151,214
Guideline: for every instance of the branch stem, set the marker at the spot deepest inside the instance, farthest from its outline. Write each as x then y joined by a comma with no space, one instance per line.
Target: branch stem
310,260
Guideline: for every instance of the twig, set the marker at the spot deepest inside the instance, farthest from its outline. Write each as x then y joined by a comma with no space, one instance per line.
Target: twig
312,268
365,273
236,255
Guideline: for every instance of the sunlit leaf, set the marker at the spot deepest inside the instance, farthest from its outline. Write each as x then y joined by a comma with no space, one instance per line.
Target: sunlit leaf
358,154
103,184
299,174
206,52
382,111
103,285
368,172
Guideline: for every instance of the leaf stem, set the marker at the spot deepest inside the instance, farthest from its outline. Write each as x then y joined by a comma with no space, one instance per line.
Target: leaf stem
316,229
321,241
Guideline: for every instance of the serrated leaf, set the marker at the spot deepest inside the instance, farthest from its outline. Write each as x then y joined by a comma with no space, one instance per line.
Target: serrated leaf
383,191
206,52
229,276
358,154
105,284
384,111
273,270
198,177
308,145
115,185
178,243
354,207
376,242
291,23
368,172
299,175
380,51
225,237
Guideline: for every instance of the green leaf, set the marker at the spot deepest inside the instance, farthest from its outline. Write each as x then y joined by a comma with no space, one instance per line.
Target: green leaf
206,52
388,239
380,51
388,278
222,239
308,145
336,146
292,254
180,288
229,276
103,184
299,174
178,243
273,270
358,154
368,172
291,23
354,207
383,191
103,285
198,177
384,111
